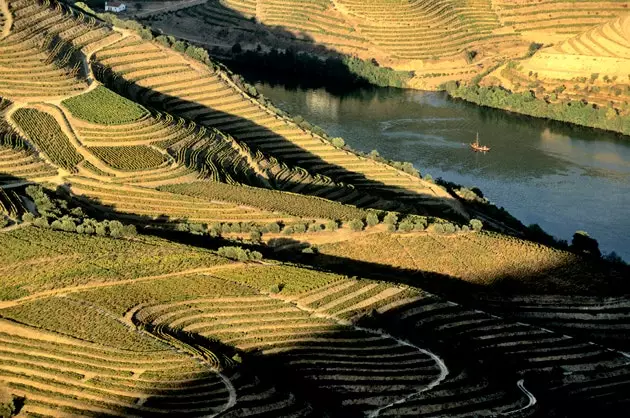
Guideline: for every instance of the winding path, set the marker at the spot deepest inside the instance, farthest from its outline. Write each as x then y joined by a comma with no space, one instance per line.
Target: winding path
530,396
440,363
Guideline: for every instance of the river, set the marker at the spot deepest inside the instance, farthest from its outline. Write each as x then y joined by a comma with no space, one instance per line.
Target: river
561,177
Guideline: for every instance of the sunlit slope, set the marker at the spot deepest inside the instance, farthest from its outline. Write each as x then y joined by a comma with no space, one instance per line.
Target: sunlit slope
604,49
556,16
156,76
42,52
128,336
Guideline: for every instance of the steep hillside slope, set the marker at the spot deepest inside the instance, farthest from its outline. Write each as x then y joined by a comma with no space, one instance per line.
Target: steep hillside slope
438,40
219,337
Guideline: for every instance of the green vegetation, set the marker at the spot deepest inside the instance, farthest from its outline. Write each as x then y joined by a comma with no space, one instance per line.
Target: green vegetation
81,258
69,316
44,131
285,202
528,103
131,158
240,254
121,298
104,107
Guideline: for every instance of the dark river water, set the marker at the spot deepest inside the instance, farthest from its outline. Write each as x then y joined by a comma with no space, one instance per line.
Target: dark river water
561,177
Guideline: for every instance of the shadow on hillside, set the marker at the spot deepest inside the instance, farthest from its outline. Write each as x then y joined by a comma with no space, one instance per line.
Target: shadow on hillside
483,374
372,194
281,56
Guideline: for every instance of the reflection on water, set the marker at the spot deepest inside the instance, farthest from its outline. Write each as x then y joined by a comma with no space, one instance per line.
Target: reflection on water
561,177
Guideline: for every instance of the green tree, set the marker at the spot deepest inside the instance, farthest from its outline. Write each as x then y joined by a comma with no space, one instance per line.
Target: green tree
356,225
273,228
371,219
338,142
255,235
390,219
476,225
406,226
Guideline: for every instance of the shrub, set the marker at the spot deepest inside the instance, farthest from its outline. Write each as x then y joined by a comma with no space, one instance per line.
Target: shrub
238,253
100,230
255,235
449,228
438,228
476,225
276,288
273,228
314,227
299,228
3,221
420,223
356,225
332,226
28,217
390,219
406,226
338,142
391,228
371,219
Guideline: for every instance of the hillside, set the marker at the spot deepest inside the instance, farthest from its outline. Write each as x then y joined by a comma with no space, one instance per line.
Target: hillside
431,38
171,243
429,45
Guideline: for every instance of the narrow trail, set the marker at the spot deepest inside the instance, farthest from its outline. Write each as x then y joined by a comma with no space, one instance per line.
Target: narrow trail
439,362
8,19
530,396
80,288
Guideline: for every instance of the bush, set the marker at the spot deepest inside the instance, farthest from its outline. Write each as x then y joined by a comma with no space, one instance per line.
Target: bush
476,225
331,226
390,219
371,219
338,142
438,228
255,235
299,228
356,225
391,228
276,288
420,224
273,228
28,217
449,228
406,226
314,227
240,254
3,221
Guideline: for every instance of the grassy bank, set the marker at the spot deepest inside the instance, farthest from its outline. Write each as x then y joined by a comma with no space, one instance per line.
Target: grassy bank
576,112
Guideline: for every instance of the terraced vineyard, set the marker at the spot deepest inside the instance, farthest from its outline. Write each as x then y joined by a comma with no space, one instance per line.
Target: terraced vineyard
133,176
561,16
187,89
44,131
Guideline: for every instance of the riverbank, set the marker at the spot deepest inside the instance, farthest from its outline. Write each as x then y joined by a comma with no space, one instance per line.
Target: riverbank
559,176
575,112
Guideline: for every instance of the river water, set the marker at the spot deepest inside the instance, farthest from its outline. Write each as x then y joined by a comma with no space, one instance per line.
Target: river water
561,177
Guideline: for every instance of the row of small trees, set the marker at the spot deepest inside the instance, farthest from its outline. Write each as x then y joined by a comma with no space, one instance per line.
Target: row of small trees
239,253
57,214
390,220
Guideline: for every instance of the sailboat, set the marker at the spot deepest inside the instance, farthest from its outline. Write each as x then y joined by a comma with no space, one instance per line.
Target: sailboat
477,147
